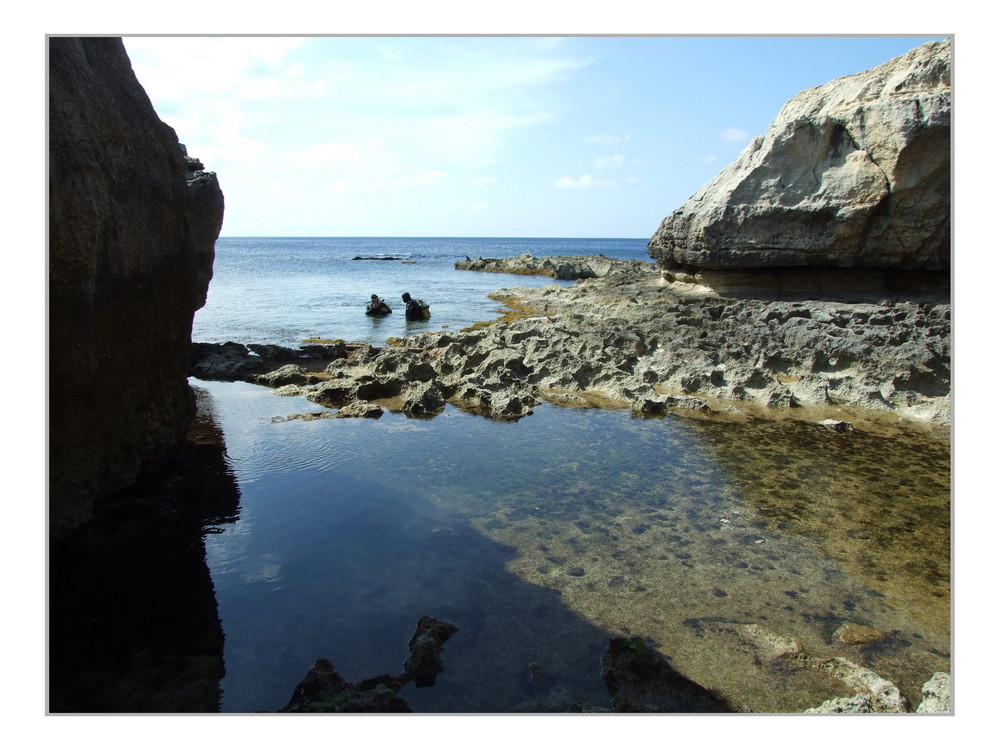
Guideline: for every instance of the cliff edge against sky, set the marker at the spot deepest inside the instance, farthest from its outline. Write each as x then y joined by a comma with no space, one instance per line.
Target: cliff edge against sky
853,173
132,229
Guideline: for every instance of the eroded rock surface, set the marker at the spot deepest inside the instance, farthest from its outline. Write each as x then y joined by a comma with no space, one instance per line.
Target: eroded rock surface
854,173
132,228
631,340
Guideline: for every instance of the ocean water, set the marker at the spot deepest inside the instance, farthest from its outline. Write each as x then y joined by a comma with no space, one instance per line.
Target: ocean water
284,290
542,539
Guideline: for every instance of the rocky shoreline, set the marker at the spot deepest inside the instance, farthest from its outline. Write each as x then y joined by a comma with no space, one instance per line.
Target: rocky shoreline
632,339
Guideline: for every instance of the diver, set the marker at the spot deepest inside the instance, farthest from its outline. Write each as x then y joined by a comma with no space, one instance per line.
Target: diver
377,307
416,309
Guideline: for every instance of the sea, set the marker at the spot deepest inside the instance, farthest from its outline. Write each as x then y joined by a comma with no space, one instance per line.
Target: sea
544,538
283,290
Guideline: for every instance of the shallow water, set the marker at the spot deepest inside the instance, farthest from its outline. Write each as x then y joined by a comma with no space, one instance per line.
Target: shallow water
543,538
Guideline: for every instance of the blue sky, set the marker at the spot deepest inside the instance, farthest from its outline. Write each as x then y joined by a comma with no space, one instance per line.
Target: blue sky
577,136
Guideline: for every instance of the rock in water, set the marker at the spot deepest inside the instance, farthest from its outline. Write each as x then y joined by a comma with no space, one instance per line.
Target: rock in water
936,695
852,173
132,229
424,663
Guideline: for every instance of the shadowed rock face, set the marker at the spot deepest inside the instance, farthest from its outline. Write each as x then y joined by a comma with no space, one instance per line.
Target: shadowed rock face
132,229
854,173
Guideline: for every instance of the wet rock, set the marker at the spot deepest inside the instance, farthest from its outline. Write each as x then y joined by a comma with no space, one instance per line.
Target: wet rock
323,690
884,696
854,634
936,695
556,267
648,407
536,671
855,704
287,375
335,393
836,425
423,399
424,663
640,680
229,362
361,409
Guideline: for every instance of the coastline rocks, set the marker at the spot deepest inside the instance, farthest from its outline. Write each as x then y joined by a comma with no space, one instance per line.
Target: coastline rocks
872,693
132,227
286,375
633,341
936,695
567,267
854,173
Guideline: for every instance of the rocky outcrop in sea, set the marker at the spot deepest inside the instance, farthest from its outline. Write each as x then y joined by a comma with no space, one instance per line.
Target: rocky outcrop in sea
566,267
132,227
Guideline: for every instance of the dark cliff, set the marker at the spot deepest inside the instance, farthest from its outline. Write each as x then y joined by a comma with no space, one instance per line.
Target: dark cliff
132,229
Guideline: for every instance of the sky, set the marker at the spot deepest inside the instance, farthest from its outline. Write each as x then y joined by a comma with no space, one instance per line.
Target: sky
481,136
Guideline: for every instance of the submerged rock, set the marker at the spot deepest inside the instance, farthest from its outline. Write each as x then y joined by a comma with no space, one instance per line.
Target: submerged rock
854,634
424,663
324,690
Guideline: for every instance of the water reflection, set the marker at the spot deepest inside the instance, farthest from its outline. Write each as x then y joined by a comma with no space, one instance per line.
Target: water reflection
133,623
540,539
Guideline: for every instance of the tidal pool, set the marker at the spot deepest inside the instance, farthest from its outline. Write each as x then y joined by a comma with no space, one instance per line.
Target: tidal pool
544,538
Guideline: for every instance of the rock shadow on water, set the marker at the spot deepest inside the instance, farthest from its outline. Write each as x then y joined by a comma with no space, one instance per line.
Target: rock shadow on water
133,620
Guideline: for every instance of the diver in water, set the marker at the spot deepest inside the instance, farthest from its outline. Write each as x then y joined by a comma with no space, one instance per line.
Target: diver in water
416,309
377,307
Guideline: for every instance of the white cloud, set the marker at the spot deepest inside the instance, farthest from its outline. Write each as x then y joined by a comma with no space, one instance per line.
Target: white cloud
482,181
586,181
326,153
609,162
735,135
430,178
607,139
175,68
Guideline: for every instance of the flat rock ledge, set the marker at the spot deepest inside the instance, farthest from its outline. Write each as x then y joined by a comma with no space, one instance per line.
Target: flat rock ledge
630,339
565,267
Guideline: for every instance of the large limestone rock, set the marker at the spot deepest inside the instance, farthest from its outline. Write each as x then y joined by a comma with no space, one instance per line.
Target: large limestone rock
854,173
132,229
